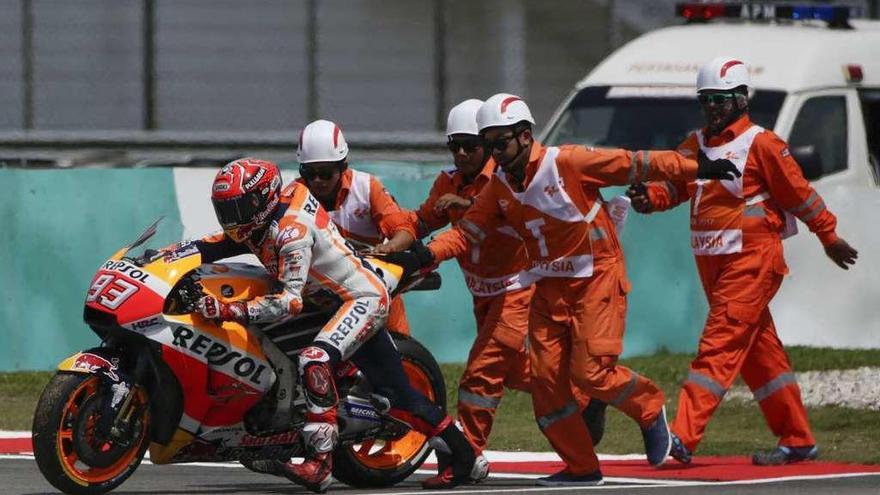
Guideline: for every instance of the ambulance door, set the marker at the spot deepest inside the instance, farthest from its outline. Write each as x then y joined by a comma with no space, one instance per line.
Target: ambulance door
827,137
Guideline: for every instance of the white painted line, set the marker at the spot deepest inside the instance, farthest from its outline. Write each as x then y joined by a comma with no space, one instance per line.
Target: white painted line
629,482
15,434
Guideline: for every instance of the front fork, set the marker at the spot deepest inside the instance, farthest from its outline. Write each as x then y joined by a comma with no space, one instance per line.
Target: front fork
117,409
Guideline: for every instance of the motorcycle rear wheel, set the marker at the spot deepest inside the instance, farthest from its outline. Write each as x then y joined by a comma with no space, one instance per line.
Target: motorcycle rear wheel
64,437
378,463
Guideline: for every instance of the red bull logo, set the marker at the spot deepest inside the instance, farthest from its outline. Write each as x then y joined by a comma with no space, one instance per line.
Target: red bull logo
94,363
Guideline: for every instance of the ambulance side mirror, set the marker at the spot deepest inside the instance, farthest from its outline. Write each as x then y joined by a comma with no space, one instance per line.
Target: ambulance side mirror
810,161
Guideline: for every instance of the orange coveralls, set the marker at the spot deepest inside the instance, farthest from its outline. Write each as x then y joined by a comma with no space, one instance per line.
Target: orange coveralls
736,235
366,213
578,311
501,292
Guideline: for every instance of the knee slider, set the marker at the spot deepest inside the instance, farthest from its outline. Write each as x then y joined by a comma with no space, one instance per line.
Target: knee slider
314,367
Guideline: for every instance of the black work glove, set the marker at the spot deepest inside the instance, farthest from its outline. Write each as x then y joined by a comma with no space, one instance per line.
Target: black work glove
424,255
720,169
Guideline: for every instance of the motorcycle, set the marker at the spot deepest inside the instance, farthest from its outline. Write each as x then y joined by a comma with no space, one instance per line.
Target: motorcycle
191,389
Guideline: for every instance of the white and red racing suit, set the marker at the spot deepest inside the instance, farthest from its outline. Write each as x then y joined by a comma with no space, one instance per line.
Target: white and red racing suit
305,252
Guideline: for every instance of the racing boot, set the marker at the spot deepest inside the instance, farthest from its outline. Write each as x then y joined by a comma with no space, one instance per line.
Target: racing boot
315,472
594,417
785,455
480,470
460,457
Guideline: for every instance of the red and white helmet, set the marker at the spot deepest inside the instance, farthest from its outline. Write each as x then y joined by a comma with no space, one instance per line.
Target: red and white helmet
245,194
723,73
503,110
321,141
463,118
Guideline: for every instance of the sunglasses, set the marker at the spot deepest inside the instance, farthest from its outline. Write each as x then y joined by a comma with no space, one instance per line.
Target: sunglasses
468,145
715,98
499,144
323,173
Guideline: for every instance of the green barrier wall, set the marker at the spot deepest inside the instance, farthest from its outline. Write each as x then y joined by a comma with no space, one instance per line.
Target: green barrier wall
62,224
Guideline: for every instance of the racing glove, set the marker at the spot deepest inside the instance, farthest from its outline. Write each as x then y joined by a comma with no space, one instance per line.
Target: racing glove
212,309
720,169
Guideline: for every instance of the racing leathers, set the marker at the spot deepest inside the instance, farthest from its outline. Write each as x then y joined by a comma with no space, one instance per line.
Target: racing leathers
577,314
304,251
366,214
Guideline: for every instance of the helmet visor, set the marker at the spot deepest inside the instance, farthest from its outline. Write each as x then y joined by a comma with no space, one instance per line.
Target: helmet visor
236,212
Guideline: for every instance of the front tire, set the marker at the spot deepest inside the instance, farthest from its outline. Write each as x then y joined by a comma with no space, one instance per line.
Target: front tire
65,447
378,463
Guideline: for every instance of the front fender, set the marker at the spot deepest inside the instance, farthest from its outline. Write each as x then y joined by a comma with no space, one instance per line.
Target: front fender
96,361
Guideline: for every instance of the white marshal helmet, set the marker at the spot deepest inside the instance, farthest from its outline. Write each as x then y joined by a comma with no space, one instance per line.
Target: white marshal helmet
503,109
723,73
463,118
321,141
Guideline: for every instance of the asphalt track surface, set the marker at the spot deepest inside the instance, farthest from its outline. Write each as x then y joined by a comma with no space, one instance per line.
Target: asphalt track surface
19,476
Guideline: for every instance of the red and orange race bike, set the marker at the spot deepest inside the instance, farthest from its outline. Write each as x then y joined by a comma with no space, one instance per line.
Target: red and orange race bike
190,389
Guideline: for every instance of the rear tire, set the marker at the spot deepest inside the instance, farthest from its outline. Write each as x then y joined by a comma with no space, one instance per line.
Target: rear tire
62,433
378,465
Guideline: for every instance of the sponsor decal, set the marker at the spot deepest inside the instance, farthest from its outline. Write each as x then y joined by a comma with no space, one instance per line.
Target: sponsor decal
551,190
318,379
707,241
255,179
362,412
786,153
315,354
482,286
503,204
181,251
355,315
219,355
555,266
278,439
221,186
311,205
127,269
227,290
142,324
291,233
93,363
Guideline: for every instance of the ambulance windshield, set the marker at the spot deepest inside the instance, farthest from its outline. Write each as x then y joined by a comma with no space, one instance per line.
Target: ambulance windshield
643,118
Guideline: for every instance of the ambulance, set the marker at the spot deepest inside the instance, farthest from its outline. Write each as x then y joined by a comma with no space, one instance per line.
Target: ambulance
816,77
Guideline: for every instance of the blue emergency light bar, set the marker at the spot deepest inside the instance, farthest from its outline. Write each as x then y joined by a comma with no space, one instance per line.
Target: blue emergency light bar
837,16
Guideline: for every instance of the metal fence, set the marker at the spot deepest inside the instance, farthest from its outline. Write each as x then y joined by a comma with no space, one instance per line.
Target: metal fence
227,65
273,65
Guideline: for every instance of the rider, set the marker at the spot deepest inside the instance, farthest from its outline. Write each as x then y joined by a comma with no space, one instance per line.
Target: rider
360,206
294,238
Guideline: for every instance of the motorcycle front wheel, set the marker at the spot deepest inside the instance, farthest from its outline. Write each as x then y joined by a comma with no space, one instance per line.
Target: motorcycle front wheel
382,463
66,447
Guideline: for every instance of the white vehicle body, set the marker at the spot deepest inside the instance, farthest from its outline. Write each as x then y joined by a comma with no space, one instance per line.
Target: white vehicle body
804,76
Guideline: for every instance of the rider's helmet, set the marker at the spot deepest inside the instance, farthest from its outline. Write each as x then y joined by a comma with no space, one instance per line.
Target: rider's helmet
245,195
